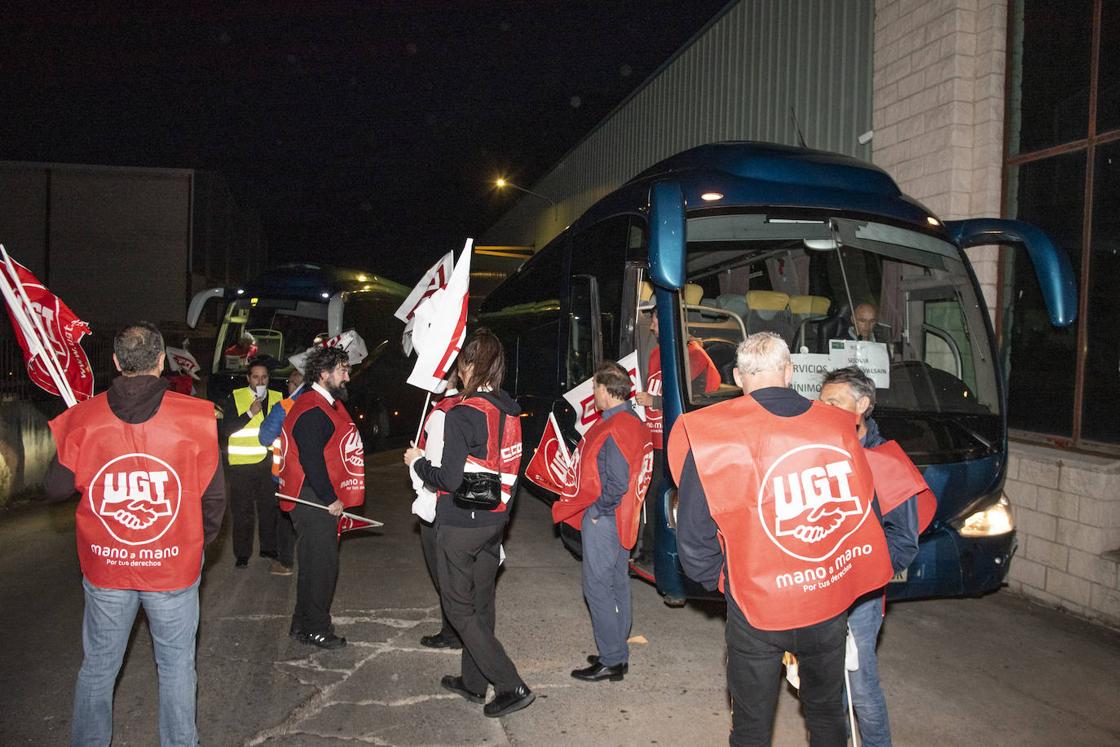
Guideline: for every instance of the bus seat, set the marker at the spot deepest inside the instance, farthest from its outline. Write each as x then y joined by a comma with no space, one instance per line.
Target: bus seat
734,302
806,312
645,293
693,294
722,353
769,311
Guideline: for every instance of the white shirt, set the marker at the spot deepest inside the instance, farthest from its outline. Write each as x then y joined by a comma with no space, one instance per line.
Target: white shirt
326,395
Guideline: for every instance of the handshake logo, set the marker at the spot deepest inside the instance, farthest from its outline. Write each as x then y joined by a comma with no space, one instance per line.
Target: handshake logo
136,497
807,502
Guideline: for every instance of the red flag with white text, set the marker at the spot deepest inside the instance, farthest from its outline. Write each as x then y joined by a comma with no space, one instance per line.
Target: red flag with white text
350,522
63,329
551,466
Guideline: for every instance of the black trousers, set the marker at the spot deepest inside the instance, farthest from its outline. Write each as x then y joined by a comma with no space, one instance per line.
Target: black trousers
252,492
317,545
754,677
428,544
467,564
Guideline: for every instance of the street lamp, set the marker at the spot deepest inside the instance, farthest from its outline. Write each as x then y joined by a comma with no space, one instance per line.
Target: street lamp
501,183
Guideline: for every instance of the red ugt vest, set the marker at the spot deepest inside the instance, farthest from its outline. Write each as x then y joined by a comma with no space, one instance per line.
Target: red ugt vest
792,500
504,459
632,437
344,454
698,361
139,522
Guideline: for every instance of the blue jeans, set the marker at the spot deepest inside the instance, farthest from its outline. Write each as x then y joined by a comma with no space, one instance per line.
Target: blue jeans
864,620
106,626
606,587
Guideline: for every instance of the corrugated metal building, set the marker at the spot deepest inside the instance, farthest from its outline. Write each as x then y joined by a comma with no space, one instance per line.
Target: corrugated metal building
743,77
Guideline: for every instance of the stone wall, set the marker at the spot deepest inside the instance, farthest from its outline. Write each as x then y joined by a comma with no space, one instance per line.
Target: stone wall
1067,511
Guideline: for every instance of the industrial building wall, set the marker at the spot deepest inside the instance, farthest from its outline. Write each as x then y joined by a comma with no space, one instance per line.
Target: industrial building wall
738,80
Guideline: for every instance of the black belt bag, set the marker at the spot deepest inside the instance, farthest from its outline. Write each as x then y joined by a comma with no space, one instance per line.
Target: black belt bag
481,491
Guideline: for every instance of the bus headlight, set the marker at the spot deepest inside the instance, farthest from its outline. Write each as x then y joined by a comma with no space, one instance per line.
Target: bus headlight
989,522
674,500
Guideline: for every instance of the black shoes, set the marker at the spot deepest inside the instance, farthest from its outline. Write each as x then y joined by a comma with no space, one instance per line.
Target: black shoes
439,640
322,640
508,702
594,659
599,671
455,685
241,563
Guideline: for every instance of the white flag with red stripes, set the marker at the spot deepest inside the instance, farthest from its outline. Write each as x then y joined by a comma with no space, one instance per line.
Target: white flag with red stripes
436,278
440,327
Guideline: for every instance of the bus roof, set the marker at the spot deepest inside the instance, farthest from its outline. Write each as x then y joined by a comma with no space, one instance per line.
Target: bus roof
747,173
317,282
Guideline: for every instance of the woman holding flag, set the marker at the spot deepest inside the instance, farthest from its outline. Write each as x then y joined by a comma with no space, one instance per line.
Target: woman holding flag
481,459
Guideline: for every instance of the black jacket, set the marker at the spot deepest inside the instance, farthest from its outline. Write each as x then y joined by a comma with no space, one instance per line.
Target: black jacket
464,434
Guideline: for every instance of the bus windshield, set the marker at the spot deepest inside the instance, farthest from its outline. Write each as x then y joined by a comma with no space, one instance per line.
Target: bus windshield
267,326
898,303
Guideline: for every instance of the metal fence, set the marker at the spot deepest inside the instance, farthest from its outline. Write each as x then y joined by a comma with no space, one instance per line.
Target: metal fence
15,383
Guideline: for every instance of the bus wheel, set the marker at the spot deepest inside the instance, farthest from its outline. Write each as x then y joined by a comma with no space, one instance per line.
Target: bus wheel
674,602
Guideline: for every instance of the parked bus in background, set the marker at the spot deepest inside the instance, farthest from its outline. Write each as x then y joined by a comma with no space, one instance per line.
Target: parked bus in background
287,309
734,238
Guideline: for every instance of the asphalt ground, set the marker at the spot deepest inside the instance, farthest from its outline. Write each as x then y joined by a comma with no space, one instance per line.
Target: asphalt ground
991,671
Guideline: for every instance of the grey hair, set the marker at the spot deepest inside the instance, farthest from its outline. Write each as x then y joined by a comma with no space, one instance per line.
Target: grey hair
138,347
859,382
760,352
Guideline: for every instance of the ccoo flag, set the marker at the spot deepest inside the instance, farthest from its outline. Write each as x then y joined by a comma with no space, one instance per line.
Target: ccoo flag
50,318
551,465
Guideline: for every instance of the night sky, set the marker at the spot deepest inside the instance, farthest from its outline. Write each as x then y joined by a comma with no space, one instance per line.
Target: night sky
364,133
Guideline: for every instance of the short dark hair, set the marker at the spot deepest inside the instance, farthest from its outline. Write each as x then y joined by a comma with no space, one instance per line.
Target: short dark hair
138,347
322,360
487,359
859,382
614,378
262,361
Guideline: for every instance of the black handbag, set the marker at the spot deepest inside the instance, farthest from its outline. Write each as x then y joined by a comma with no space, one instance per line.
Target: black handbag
481,491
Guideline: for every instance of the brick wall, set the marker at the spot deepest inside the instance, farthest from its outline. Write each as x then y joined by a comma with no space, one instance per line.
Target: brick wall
1067,512
938,109
938,120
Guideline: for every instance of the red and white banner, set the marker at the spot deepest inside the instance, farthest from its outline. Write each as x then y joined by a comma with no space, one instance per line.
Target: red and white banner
582,397
440,327
350,522
436,278
49,333
350,341
551,466
181,361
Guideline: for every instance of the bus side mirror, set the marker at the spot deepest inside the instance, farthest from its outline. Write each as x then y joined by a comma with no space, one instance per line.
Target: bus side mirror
666,235
198,303
1051,264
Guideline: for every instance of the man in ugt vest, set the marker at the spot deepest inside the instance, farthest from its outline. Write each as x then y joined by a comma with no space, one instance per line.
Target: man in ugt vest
321,462
249,471
775,509
147,464
613,465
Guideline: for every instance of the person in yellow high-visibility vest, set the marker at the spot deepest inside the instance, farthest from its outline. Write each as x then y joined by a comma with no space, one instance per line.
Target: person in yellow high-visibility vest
249,464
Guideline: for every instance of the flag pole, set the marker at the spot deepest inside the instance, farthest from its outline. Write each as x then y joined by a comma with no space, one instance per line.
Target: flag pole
423,417
45,353
355,517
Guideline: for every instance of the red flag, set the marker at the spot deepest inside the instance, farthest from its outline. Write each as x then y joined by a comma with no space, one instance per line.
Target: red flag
897,480
551,465
349,522
64,331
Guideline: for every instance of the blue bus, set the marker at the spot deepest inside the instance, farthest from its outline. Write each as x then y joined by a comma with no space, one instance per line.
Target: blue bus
732,238
285,309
